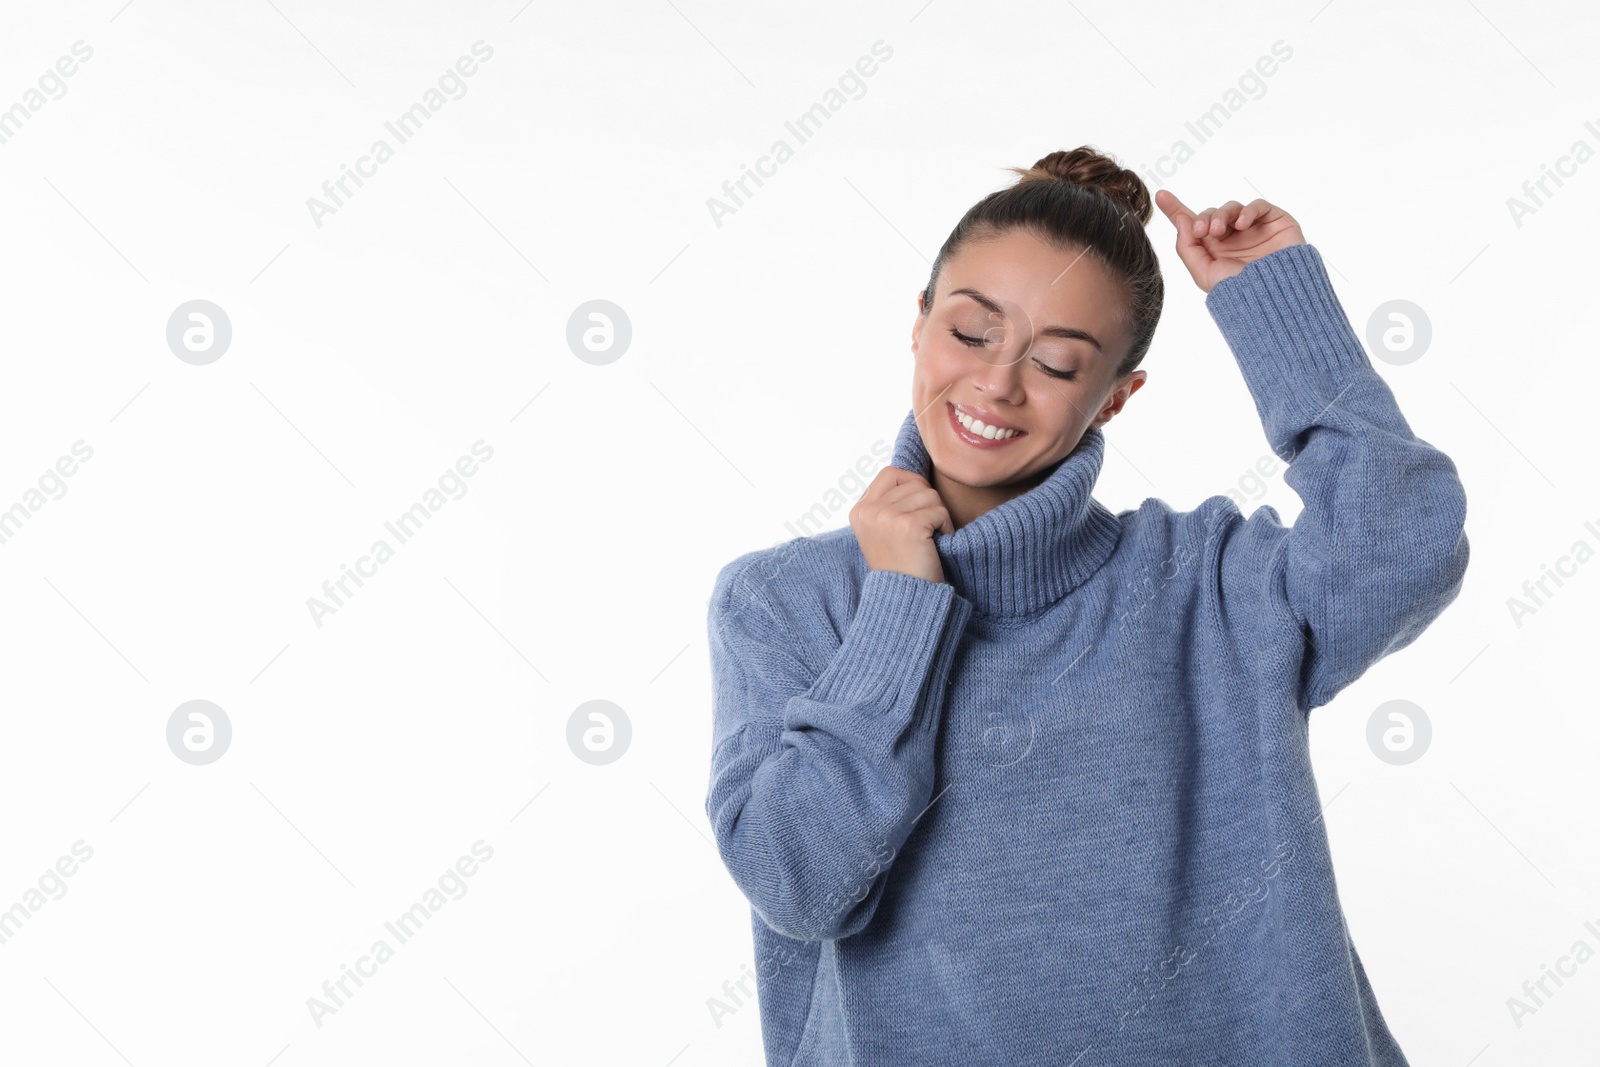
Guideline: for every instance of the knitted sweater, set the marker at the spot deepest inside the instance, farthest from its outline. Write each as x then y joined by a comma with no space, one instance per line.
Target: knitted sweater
1059,809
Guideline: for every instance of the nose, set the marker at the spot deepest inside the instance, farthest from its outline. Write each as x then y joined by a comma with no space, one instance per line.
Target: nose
998,375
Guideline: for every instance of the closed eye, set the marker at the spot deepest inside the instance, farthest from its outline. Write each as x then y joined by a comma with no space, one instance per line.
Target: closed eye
974,342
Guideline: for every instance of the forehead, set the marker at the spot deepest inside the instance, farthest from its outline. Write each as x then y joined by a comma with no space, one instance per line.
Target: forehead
1052,286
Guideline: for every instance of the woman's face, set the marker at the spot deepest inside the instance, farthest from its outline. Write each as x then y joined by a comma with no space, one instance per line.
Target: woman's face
1050,326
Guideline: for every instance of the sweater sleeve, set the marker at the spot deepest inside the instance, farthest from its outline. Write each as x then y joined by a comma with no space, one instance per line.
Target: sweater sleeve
817,776
1378,550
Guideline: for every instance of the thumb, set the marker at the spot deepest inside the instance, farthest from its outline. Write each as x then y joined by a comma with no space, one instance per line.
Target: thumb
1180,216
1191,249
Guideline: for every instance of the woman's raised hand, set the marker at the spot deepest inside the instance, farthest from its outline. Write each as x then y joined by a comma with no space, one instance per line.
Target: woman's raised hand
1217,243
895,520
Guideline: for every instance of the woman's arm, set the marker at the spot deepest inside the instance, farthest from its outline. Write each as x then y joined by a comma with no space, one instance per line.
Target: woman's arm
1379,549
817,777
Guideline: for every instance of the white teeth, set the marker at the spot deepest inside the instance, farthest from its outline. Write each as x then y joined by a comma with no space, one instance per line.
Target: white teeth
978,427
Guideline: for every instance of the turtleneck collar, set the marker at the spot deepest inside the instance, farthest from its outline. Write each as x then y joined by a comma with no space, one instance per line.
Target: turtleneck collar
1035,548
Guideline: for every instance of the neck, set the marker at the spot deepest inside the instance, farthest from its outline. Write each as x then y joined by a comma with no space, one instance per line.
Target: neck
966,502
1018,549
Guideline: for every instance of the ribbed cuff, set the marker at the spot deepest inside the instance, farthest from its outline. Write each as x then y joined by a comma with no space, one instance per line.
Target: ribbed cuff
904,627
1291,337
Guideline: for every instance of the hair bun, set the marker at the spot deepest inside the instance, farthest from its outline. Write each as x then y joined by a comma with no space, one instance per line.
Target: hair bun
1091,169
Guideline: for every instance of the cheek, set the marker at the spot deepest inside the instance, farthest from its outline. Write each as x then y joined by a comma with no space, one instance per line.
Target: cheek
936,359
1064,400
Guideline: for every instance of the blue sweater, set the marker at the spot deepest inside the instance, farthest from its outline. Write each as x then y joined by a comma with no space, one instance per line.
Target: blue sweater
1059,809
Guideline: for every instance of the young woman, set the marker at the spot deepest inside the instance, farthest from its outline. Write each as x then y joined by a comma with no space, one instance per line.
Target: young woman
1008,778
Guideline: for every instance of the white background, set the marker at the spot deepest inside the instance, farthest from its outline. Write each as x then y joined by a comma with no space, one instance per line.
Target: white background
769,353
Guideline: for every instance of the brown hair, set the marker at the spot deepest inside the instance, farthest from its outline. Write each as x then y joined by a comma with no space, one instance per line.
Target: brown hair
1086,201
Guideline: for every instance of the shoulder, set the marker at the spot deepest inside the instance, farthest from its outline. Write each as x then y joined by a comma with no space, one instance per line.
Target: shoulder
791,586
1155,521
1156,528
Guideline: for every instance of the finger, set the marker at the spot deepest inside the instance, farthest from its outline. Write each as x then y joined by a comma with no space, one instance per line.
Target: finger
1188,227
1172,207
899,477
1252,211
1202,222
908,499
1183,221
1226,214
935,515
886,481
880,481
1183,218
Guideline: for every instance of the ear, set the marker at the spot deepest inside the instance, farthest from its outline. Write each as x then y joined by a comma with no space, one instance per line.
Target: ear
1131,383
916,324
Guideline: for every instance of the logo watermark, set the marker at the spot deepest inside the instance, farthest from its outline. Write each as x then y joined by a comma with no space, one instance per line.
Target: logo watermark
1399,732
845,491
336,992
1252,85
1249,890
336,191
1252,485
51,885
52,485
1536,992
199,332
1536,192
735,994
199,732
598,732
599,332
403,528
1399,332
833,501
802,128
33,101
1536,592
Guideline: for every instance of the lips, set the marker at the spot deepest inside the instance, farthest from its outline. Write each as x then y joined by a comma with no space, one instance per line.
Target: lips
988,418
1002,439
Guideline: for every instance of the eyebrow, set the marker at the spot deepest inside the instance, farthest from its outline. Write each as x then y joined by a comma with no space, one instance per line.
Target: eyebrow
1071,333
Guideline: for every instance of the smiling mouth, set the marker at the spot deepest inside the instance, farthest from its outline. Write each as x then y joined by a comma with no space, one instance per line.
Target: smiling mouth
976,432
978,427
